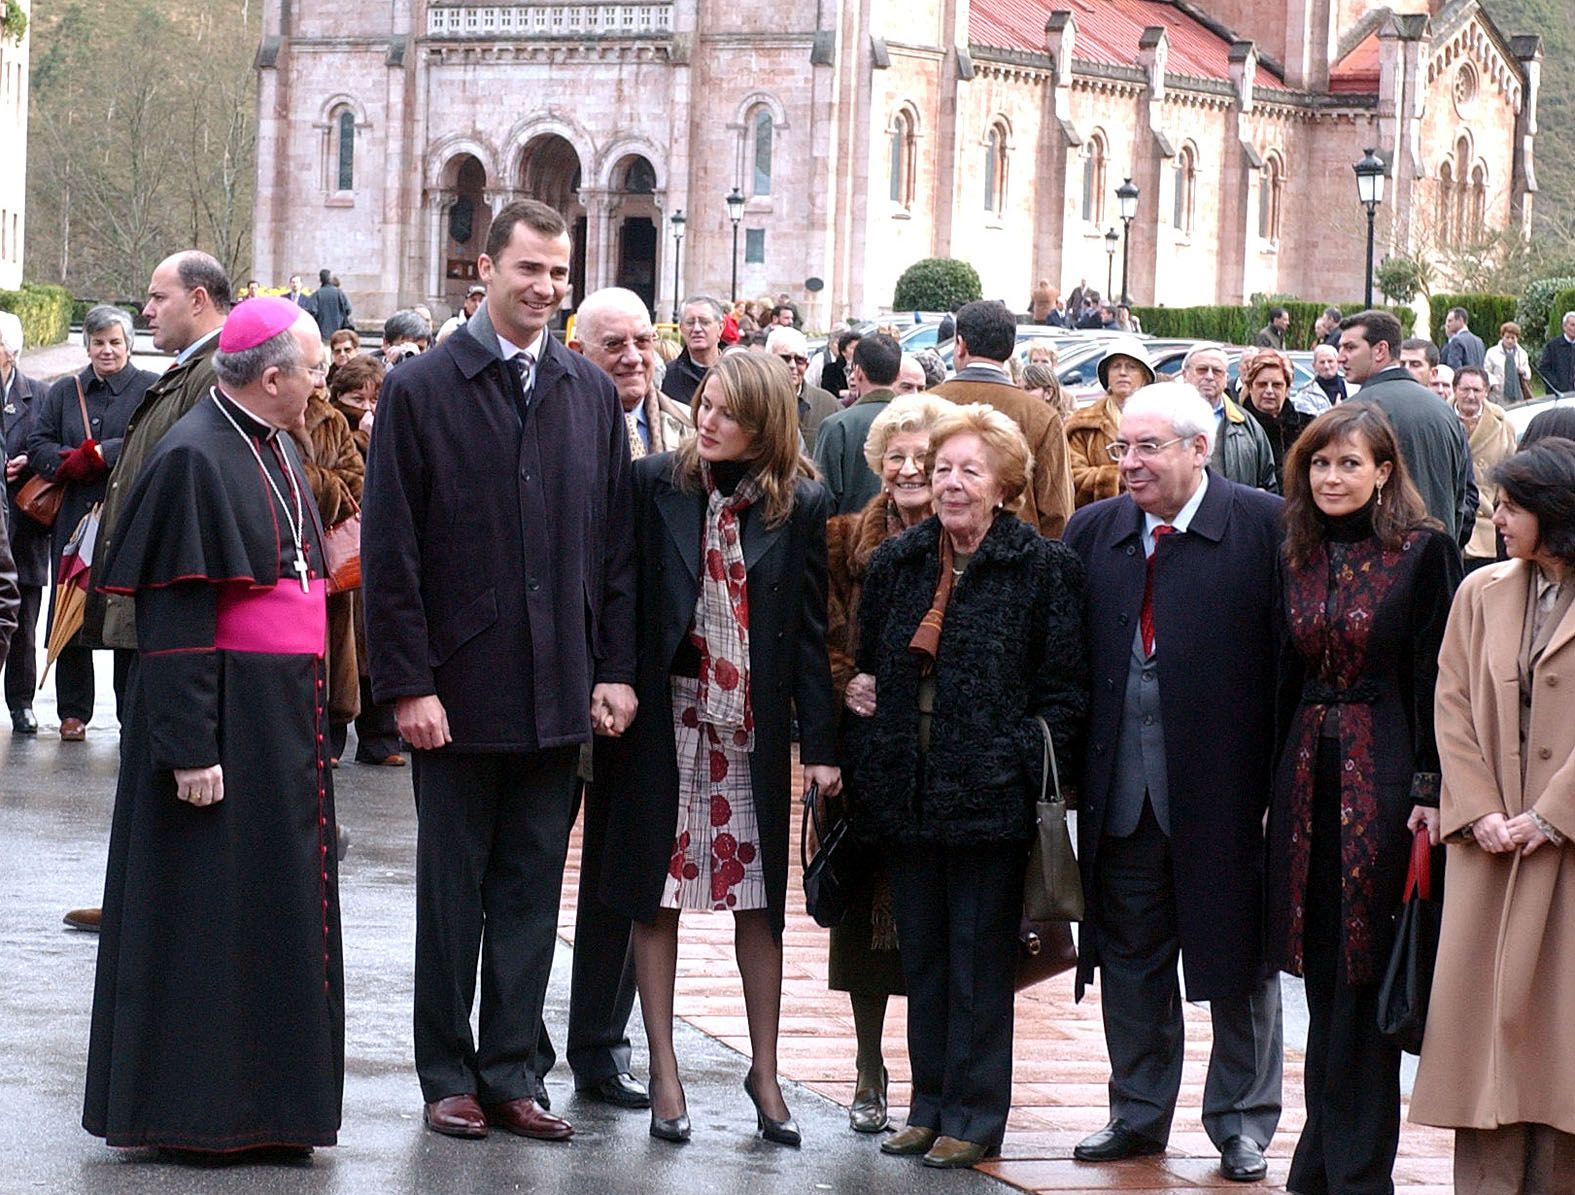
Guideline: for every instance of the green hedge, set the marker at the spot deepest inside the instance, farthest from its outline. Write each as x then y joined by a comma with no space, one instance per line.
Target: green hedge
1563,301
45,312
936,284
1240,325
1534,313
1484,314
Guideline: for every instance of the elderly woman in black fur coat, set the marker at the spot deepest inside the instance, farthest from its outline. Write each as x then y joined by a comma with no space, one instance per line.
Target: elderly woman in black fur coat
970,630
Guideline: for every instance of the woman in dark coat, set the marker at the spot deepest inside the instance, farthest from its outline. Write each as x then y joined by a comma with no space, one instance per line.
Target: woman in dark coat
1366,582
864,961
20,395
726,652
952,687
1266,396
61,449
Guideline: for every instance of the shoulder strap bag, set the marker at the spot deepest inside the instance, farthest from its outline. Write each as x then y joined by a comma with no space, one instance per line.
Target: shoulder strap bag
40,497
1053,886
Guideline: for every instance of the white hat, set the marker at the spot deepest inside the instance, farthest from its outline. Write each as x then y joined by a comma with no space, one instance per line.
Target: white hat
11,332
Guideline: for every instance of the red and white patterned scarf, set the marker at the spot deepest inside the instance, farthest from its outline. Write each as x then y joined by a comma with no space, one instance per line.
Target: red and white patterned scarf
722,614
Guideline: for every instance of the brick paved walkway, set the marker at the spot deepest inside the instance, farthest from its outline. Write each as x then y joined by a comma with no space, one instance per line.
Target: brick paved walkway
1059,1074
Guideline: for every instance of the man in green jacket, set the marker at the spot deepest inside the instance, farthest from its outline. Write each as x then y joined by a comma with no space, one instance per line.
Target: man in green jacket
839,446
188,300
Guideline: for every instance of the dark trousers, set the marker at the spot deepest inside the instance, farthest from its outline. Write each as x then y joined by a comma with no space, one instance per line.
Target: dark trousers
492,831
601,992
1139,947
21,665
1352,1075
376,729
75,690
958,909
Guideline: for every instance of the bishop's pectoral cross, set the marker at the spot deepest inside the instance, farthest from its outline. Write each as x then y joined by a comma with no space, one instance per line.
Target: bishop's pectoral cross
300,571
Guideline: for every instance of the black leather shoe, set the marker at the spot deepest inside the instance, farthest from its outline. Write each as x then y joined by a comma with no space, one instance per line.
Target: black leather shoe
675,1129
622,1090
23,722
1242,1161
1116,1142
778,1132
868,1113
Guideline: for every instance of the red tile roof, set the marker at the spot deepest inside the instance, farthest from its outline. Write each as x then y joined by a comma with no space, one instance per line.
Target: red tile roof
1357,72
1108,33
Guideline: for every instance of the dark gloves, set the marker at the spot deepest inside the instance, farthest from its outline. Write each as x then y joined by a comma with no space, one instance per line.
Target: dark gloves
81,464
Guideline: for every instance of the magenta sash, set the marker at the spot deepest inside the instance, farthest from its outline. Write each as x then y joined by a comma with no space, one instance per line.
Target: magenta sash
280,621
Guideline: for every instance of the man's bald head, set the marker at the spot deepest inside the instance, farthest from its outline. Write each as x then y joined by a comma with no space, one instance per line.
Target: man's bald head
188,297
613,330
609,302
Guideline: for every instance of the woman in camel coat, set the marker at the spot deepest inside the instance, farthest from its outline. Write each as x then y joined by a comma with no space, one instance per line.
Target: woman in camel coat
1090,431
334,470
1498,1060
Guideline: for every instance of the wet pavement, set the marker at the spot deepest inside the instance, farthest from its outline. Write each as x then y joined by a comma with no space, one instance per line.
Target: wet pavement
55,802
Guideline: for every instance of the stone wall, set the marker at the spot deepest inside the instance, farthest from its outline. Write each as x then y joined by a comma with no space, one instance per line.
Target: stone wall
13,152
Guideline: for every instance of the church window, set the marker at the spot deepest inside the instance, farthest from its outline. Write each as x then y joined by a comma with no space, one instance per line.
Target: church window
1478,202
343,133
754,246
902,159
1094,179
1272,184
762,131
1446,203
1186,188
995,169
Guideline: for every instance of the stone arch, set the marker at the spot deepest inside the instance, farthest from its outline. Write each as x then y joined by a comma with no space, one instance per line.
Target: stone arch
528,132
613,160
760,99
441,156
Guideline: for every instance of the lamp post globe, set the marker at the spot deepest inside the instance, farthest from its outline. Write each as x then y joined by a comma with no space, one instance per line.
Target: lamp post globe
1112,239
1126,206
735,213
677,221
1370,192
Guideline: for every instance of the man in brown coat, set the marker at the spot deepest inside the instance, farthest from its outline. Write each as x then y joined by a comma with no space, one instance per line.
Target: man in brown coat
986,338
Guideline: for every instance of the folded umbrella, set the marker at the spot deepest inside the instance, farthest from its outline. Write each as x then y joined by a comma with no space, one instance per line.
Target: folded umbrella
71,584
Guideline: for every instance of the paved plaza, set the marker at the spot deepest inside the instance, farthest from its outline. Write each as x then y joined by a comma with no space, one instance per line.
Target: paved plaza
54,821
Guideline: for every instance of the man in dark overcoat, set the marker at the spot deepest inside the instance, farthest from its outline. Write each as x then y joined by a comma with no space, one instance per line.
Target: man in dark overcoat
499,587
1175,783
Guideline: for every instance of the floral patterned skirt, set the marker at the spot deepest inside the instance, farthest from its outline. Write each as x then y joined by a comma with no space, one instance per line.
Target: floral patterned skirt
716,845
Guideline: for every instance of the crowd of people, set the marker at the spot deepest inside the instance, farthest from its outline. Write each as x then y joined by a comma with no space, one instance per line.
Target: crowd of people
1269,637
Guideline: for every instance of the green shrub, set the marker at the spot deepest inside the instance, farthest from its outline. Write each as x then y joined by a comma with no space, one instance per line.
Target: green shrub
1484,313
45,312
1240,325
1535,314
936,284
1562,302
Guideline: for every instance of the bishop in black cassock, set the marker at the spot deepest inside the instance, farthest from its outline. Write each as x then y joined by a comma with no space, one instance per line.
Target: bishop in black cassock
218,1016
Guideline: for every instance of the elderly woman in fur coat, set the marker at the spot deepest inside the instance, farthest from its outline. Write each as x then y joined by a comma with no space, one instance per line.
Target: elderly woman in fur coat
864,960
970,633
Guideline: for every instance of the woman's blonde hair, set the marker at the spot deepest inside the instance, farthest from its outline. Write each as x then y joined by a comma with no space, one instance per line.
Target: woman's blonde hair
1047,345
909,413
760,395
1003,440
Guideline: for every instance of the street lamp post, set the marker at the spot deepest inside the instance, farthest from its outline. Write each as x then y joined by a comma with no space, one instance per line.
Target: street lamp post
735,213
677,221
1112,239
1370,190
1126,205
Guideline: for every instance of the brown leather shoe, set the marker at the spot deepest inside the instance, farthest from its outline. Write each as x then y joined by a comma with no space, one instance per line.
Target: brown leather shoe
84,919
914,1139
949,1153
524,1117
73,730
456,1116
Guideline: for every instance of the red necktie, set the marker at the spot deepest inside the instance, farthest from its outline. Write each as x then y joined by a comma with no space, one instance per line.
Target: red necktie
1146,617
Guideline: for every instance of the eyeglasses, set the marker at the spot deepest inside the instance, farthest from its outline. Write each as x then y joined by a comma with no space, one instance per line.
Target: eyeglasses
615,348
902,459
315,371
1146,450
699,321
794,359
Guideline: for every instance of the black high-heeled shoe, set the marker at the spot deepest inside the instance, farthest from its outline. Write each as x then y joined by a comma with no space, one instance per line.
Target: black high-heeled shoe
779,1132
674,1128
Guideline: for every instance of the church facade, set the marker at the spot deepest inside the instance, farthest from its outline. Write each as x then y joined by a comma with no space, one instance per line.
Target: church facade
864,136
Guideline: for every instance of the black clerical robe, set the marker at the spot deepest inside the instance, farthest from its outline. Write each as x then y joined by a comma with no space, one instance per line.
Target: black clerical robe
218,1015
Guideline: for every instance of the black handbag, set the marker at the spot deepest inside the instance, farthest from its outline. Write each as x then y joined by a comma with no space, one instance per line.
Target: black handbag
840,865
1408,979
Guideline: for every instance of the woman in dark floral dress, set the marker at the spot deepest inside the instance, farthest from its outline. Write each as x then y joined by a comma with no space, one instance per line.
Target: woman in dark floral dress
1366,580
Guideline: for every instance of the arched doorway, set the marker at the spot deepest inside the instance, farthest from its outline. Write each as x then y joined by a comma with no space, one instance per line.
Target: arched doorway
637,220
550,174
465,222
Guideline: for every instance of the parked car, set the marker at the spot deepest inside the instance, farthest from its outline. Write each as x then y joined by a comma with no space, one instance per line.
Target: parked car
1522,413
